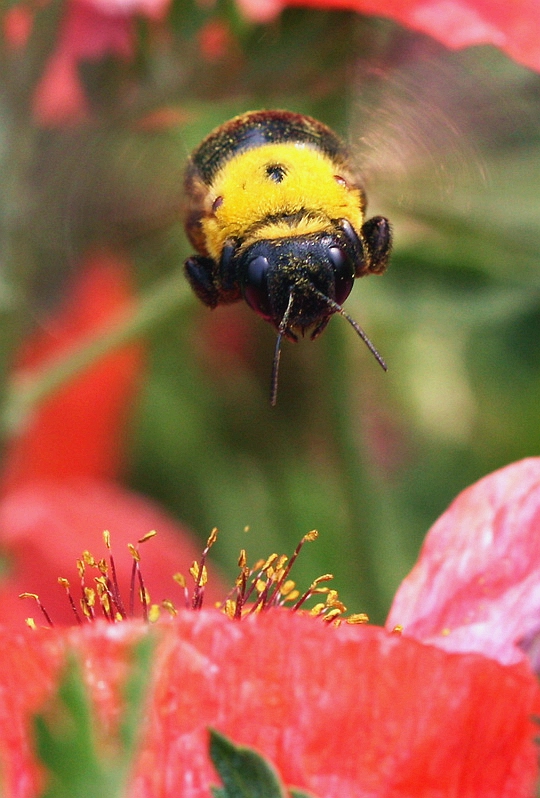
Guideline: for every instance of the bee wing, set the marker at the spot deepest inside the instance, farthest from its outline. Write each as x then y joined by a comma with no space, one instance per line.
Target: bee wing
104,180
430,128
100,183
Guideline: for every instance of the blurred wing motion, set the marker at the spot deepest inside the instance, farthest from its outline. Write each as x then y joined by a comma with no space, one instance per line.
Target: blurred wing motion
449,140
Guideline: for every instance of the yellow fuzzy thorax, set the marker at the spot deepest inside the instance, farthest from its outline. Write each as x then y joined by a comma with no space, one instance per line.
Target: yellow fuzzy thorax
249,195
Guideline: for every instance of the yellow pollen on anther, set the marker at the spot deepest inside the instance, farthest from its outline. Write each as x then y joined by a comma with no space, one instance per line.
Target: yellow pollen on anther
269,562
313,535
179,579
134,552
90,596
30,623
281,562
330,616
287,587
107,538
201,577
144,596
358,617
148,536
337,605
169,606
229,608
323,578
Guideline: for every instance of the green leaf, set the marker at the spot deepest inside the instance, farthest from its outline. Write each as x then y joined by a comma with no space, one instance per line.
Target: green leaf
135,692
66,744
244,772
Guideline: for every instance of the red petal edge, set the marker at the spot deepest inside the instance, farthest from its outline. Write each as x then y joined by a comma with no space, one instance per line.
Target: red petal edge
513,27
476,585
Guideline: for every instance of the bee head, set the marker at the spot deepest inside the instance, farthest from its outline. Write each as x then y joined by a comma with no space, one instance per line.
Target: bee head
298,282
296,276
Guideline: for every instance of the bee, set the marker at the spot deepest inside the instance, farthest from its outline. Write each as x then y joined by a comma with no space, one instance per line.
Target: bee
276,215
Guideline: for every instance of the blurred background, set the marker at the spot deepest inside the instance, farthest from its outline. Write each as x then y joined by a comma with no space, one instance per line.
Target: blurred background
449,143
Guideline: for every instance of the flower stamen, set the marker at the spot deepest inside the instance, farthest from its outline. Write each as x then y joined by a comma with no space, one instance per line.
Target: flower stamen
40,605
65,584
267,584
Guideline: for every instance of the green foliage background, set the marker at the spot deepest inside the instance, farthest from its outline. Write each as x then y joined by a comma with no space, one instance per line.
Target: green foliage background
450,144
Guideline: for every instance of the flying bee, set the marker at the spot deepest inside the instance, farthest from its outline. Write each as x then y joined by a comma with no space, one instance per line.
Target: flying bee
276,214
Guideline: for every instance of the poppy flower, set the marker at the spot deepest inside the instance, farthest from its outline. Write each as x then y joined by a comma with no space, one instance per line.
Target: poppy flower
513,27
60,487
348,710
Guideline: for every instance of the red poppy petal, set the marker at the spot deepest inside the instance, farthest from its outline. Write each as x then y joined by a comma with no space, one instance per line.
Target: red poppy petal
514,27
476,586
46,527
154,9
350,712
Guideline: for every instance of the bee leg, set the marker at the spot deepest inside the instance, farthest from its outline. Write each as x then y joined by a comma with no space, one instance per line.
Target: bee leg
361,267
200,273
378,239
319,328
227,268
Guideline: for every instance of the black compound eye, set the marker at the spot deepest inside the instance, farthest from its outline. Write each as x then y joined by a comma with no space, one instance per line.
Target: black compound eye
255,286
343,271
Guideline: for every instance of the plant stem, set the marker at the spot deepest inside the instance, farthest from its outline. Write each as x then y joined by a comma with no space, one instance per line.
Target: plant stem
363,492
27,391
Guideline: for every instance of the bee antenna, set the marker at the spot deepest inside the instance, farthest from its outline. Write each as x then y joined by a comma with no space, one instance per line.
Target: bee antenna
338,309
277,352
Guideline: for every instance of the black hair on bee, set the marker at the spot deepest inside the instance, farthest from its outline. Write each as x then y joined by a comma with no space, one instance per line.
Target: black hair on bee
276,215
